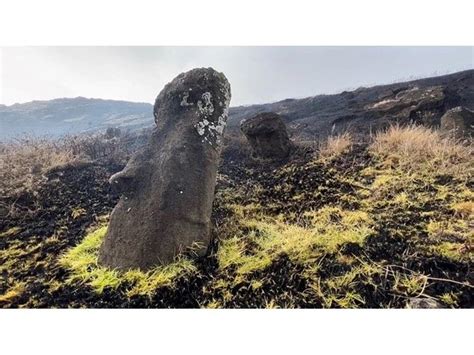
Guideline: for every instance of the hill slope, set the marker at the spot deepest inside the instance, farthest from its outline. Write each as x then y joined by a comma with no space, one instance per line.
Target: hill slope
307,118
316,116
72,116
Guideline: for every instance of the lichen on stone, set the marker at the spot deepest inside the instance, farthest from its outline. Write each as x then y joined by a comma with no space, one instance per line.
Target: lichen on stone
205,106
212,131
184,101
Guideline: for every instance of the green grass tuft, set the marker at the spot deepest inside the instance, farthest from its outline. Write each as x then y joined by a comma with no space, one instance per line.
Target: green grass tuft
82,263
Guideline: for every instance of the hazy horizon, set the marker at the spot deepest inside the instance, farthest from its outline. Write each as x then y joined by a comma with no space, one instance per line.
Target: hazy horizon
257,74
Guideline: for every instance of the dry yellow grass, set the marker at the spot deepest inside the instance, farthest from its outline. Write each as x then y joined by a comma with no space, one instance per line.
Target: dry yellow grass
464,209
336,145
420,148
22,162
15,291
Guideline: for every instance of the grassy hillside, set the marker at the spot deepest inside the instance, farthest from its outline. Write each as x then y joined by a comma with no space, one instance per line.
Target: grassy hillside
383,222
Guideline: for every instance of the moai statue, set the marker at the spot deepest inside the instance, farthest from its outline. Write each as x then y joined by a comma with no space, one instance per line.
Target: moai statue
267,136
168,187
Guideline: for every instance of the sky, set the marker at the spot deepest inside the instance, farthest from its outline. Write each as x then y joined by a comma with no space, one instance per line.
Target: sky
256,74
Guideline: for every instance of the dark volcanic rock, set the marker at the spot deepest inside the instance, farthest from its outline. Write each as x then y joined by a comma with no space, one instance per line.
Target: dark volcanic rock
267,136
168,188
459,121
416,104
423,303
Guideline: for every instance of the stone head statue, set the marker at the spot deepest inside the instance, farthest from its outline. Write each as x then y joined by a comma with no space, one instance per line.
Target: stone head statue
267,135
168,187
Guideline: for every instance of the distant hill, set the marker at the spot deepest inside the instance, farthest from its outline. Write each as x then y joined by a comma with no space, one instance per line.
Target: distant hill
361,110
72,115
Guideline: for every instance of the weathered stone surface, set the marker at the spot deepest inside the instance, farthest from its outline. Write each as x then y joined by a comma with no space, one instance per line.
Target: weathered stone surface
420,105
168,187
423,303
267,136
459,121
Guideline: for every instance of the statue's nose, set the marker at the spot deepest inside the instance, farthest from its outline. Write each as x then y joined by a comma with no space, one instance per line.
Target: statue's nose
122,182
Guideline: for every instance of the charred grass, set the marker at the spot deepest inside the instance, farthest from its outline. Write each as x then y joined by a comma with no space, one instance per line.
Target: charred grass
359,225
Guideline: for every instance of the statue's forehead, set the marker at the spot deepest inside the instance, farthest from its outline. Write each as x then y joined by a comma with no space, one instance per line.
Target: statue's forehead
196,85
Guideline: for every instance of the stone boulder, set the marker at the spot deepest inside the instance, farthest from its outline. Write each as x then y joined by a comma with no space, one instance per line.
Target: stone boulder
458,121
421,105
168,187
267,136
425,303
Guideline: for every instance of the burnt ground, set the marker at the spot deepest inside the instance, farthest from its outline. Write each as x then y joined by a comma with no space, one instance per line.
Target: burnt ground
49,222
74,198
